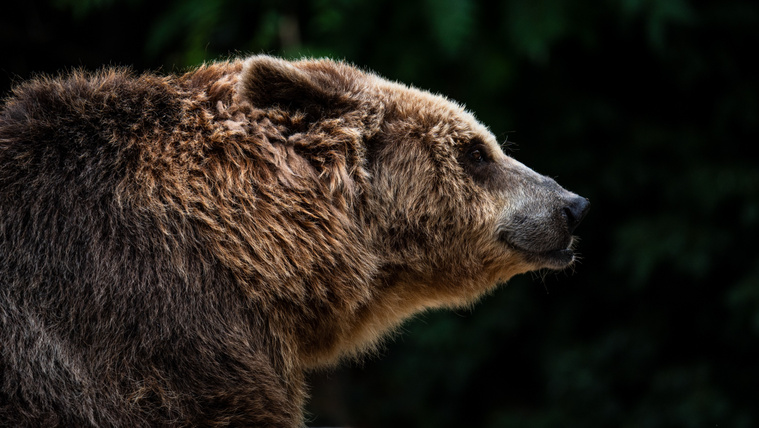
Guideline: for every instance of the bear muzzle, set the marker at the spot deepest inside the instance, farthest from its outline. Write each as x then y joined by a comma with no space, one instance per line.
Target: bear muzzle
542,229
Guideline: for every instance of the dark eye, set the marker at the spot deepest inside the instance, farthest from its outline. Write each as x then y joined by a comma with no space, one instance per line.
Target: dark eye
477,155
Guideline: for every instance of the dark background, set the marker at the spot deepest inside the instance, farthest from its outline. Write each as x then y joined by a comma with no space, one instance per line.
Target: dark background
649,108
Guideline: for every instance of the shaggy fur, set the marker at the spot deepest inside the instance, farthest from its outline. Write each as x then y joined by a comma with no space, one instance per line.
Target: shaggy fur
179,250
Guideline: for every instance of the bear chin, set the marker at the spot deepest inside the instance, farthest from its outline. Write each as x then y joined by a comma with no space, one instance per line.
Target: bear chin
557,260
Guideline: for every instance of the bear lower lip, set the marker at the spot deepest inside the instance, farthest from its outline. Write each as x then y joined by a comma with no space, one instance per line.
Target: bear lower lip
557,259
553,259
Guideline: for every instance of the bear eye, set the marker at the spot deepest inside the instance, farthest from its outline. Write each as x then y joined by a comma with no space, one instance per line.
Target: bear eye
476,155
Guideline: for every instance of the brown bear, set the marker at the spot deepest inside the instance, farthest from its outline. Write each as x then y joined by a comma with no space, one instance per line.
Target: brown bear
180,250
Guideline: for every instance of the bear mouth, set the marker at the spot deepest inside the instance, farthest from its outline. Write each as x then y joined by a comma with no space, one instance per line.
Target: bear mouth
557,258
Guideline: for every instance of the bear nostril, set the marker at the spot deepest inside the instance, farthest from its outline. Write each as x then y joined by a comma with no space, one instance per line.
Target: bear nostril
575,211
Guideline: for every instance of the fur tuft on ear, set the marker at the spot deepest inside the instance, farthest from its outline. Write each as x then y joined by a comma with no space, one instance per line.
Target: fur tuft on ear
267,82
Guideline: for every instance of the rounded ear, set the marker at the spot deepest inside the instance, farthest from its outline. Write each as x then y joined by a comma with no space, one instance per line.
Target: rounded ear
267,82
319,88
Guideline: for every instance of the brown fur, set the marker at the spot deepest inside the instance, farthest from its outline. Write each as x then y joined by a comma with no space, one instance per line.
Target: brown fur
179,250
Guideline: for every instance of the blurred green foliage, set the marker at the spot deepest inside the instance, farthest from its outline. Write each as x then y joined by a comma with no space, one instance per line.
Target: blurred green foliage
648,107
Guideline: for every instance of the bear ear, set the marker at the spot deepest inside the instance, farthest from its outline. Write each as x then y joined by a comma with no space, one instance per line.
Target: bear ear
267,81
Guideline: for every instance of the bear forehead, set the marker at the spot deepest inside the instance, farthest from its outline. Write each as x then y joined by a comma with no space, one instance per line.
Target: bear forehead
434,115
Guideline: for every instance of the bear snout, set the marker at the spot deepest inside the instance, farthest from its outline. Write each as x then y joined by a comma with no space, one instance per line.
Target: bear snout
542,231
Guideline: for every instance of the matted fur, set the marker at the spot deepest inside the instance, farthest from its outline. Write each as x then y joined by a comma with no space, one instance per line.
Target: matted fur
178,250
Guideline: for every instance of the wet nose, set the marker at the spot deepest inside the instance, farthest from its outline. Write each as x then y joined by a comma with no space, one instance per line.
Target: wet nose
575,209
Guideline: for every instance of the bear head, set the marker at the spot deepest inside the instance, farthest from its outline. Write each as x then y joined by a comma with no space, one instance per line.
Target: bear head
444,212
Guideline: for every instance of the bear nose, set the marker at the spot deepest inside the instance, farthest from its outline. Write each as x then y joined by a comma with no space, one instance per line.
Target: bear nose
575,211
